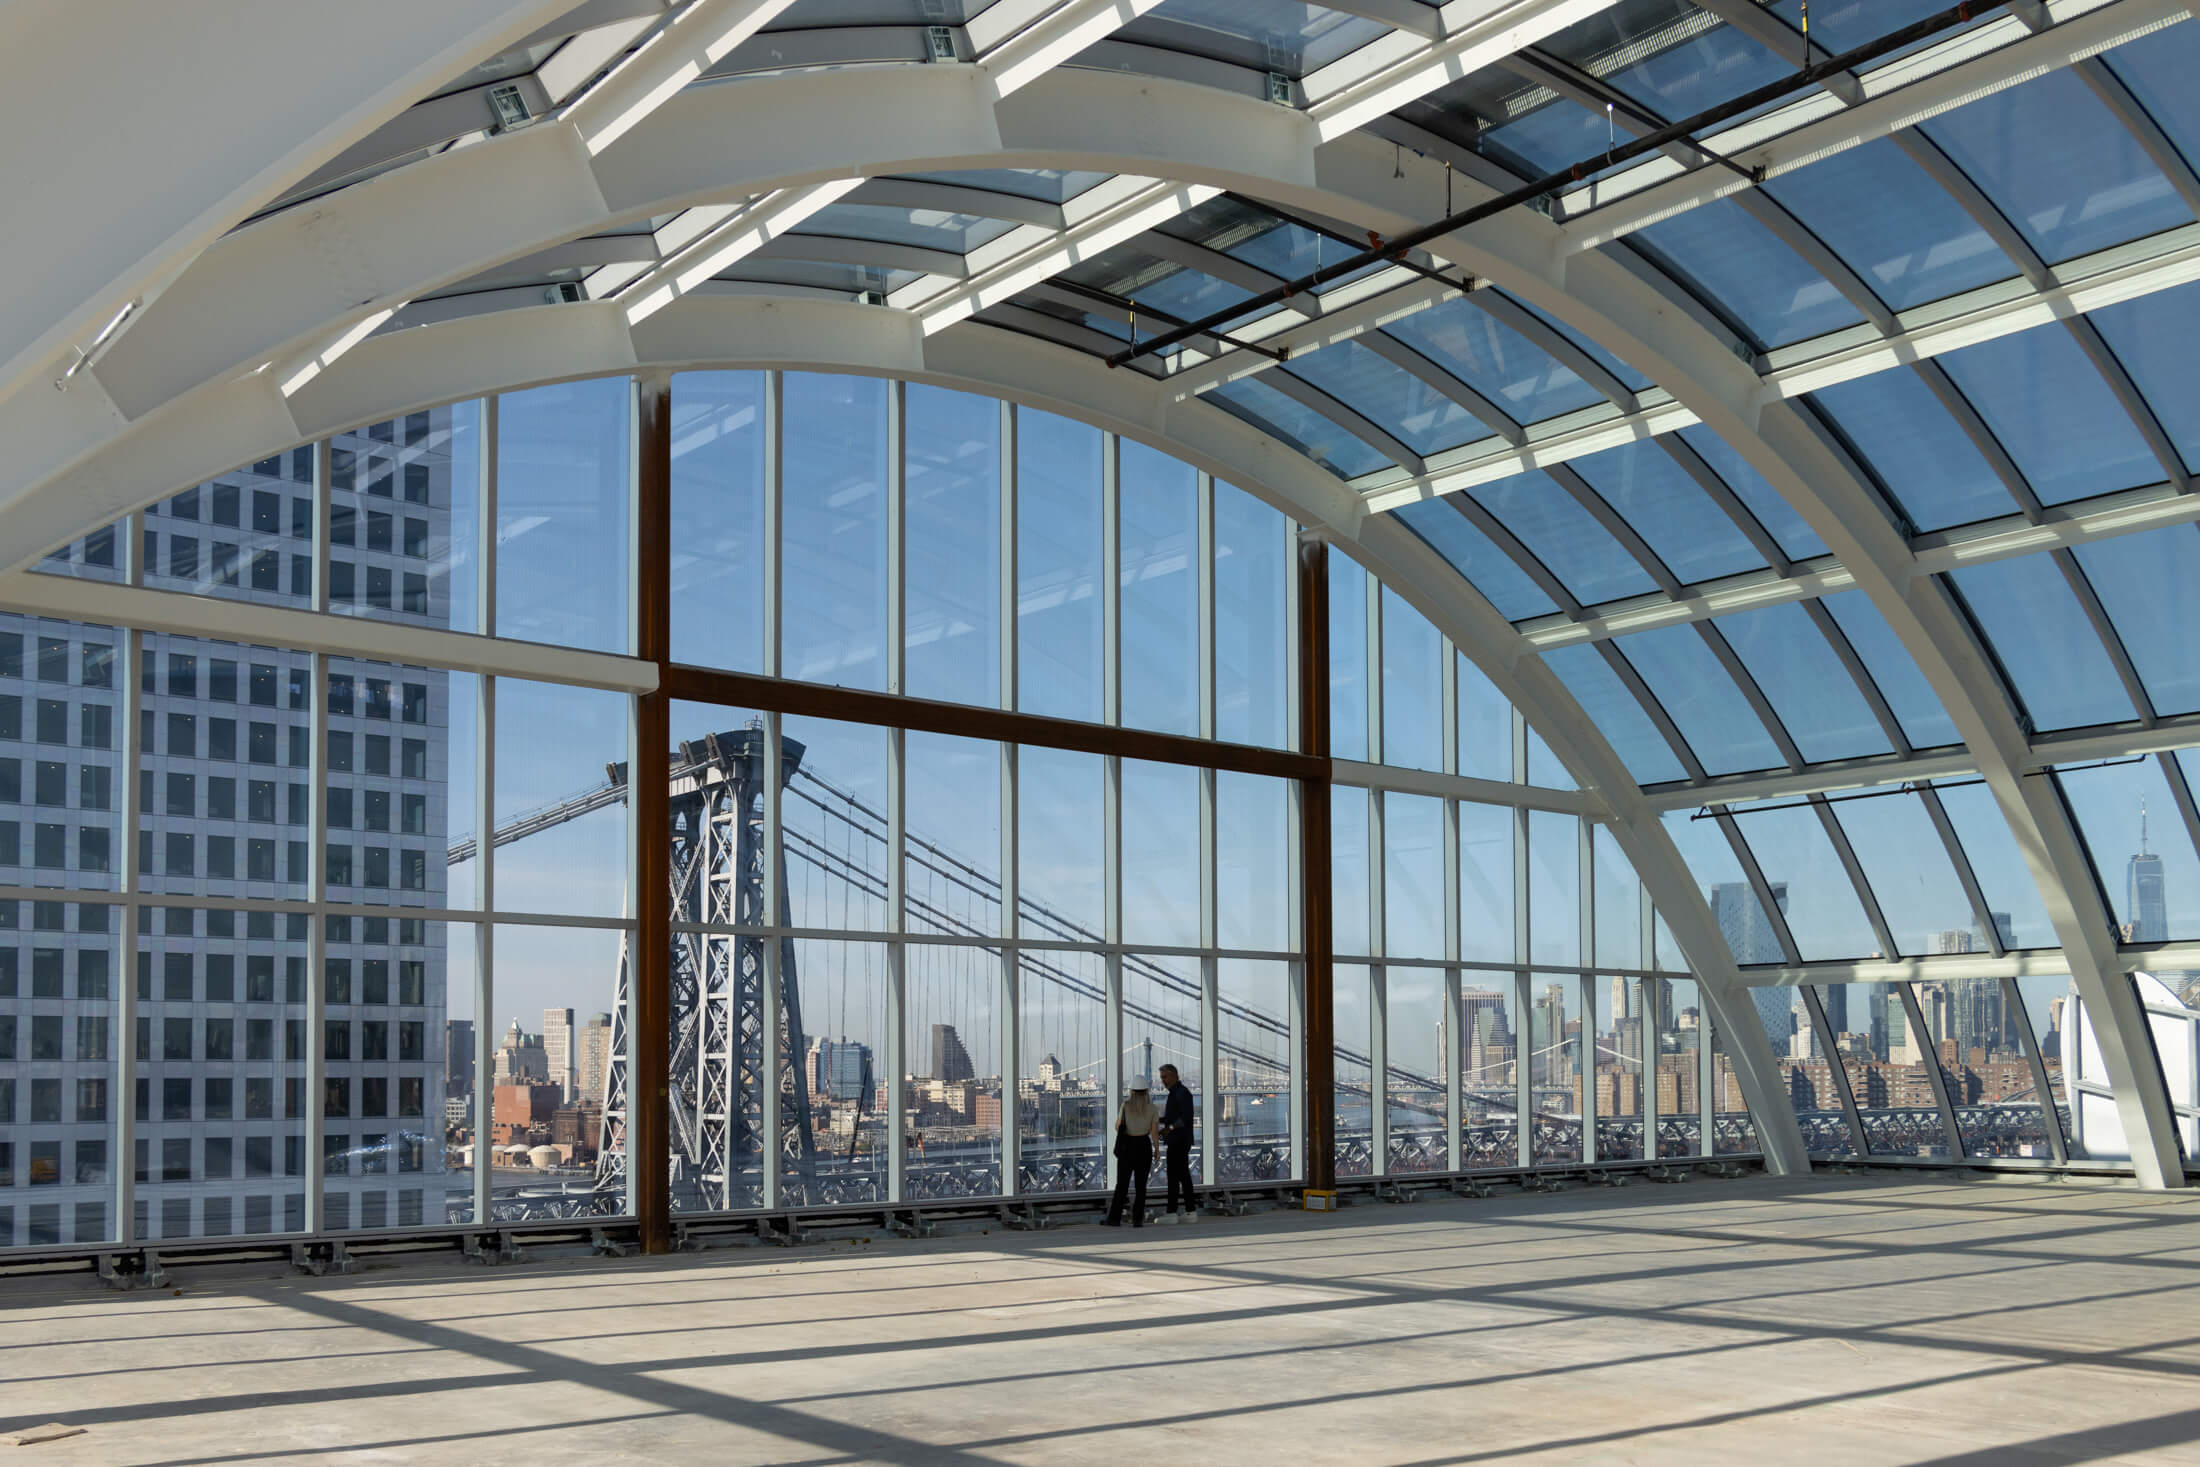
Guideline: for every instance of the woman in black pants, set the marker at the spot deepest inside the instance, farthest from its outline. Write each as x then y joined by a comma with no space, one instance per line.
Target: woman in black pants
1134,1132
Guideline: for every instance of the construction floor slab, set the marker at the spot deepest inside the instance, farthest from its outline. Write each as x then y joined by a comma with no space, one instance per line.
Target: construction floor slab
1825,1320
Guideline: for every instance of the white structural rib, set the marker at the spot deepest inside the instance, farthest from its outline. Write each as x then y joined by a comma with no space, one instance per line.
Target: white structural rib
1122,208
1048,37
1395,69
689,45
107,211
741,233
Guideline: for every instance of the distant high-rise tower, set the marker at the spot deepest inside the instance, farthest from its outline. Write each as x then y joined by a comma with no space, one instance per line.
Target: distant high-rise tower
560,1051
1752,938
458,1056
2146,909
950,1061
594,1061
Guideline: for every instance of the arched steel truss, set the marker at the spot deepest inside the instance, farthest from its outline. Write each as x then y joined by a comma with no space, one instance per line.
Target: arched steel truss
198,384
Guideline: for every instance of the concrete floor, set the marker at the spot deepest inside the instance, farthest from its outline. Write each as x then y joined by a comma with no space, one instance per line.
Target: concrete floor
1828,1320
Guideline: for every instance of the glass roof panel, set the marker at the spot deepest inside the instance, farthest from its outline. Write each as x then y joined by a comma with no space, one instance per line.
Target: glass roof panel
1634,380
2034,624
1091,320
2149,584
1556,135
1283,247
2012,896
1689,532
2152,337
1925,723
932,229
1906,864
1687,678
1667,56
1495,360
2055,415
1542,132
2129,820
1923,457
1616,714
1711,860
1298,425
1843,25
2159,70
2056,161
1265,35
1806,682
1474,555
1048,185
1887,220
1554,527
1162,285
1825,916
1795,537
1740,268
1387,395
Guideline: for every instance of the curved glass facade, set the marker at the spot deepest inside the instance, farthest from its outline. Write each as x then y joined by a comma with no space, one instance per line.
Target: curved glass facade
992,767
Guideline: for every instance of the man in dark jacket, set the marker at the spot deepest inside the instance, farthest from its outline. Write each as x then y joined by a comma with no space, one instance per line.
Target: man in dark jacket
1177,1128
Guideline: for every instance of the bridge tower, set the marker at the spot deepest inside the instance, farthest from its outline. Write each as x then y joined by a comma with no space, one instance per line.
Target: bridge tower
719,1014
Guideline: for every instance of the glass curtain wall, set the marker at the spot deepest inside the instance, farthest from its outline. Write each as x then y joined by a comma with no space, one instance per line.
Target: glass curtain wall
278,1012
1503,958
969,947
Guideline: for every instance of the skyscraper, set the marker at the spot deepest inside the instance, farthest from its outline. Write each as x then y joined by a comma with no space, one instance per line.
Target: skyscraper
1752,938
560,1052
950,1061
225,800
458,1056
594,1064
2146,908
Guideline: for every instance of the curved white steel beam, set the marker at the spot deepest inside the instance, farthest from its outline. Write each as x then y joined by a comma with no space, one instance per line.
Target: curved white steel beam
126,151
1139,125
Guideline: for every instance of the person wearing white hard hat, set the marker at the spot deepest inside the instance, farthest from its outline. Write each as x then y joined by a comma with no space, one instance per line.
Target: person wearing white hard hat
1135,1125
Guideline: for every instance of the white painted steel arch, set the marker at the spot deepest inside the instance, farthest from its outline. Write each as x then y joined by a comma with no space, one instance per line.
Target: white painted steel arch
266,294
126,150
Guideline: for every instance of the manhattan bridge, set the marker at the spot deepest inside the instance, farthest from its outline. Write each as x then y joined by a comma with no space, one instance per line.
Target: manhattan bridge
724,1021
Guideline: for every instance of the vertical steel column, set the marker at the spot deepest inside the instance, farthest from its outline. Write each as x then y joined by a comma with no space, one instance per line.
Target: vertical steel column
1295,827
1707,1078
317,860
485,779
1523,1016
1012,1008
897,970
130,645
897,795
1454,1109
317,953
768,1106
649,1085
772,1141
1111,713
1650,1007
1210,923
1318,990
1585,1067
